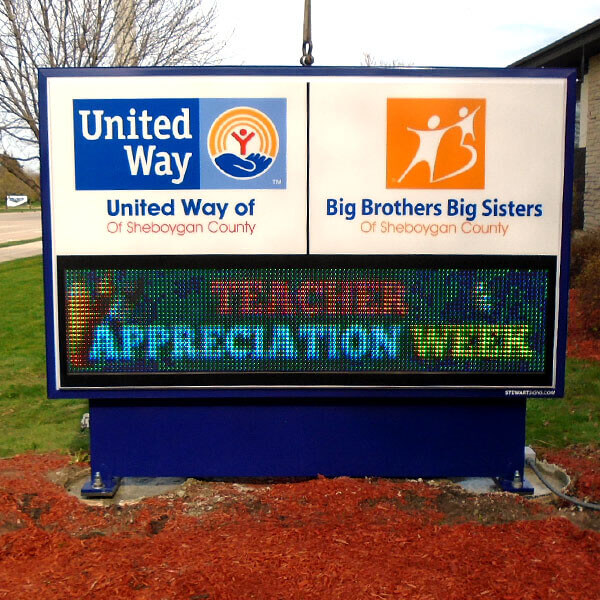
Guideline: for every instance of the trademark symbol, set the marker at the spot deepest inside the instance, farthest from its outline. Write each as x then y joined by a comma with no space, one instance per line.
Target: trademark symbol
276,181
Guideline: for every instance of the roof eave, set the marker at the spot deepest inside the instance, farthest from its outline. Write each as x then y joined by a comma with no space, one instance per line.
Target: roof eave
566,51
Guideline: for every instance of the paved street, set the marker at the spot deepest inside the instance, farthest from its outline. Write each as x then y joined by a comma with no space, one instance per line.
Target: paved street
20,226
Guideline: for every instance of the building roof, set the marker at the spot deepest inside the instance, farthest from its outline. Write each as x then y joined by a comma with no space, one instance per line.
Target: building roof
570,51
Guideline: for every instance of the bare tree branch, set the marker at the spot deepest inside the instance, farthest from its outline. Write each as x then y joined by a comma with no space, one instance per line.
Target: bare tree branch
90,33
12,167
368,60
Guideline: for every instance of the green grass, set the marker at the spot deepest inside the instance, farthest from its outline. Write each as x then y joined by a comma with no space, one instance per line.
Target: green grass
28,420
33,206
574,419
20,242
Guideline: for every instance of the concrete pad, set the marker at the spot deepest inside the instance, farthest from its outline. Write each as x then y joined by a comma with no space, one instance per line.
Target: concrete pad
477,485
134,489
131,490
552,473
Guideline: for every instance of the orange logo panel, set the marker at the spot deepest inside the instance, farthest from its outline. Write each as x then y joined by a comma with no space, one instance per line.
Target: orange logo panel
436,143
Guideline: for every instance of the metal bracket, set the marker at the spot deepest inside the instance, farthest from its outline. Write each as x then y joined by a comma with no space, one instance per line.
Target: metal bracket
517,485
100,488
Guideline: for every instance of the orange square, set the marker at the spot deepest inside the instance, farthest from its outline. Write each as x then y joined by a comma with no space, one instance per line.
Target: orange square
436,143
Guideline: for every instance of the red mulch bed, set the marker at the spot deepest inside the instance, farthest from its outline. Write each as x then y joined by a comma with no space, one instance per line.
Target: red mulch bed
322,538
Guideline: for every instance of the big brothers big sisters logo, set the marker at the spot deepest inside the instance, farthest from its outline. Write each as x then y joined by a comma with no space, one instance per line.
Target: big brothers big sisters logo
168,143
436,143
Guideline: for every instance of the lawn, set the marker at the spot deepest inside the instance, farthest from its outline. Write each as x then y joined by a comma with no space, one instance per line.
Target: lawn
20,242
574,419
35,205
29,421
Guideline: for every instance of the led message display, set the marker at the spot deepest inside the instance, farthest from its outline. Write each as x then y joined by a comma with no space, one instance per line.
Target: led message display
279,319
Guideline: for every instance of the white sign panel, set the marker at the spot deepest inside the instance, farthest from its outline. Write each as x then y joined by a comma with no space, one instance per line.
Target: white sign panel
186,165
459,166
12,201
411,165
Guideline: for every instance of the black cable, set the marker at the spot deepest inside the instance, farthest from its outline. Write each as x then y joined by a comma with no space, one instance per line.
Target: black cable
592,506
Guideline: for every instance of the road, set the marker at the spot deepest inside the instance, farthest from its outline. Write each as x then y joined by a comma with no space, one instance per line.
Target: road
20,226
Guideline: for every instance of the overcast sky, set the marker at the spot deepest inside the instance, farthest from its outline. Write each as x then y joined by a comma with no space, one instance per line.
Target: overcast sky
456,33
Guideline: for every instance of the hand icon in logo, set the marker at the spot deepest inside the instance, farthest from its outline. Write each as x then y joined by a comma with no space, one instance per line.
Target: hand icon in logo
254,164
430,140
243,142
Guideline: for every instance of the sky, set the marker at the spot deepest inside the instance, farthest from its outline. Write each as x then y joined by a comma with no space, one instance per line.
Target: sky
455,33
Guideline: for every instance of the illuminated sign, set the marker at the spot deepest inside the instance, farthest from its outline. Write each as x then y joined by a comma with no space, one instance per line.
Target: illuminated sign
371,231
296,316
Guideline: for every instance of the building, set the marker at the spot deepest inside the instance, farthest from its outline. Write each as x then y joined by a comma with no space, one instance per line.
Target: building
580,50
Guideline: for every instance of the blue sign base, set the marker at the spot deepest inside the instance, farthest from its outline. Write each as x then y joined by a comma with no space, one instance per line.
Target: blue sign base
413,438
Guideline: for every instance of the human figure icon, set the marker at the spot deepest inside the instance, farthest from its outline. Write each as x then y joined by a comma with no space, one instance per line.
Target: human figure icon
430,140
242,138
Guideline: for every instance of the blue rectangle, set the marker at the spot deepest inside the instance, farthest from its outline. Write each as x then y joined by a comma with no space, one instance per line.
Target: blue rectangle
246,141
432,438
148,144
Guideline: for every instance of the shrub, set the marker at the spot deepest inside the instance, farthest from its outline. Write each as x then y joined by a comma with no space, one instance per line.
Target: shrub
588,282
585,247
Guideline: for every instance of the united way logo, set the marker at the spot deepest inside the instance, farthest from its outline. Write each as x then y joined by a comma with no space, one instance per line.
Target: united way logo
436,143
180,143
243,142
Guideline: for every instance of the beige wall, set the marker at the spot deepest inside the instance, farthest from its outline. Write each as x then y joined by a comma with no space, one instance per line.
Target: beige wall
592,157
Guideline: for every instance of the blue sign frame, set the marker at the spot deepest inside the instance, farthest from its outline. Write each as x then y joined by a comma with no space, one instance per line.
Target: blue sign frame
306,390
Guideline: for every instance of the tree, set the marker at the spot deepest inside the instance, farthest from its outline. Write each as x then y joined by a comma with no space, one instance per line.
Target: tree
368,60
9,184
88,33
